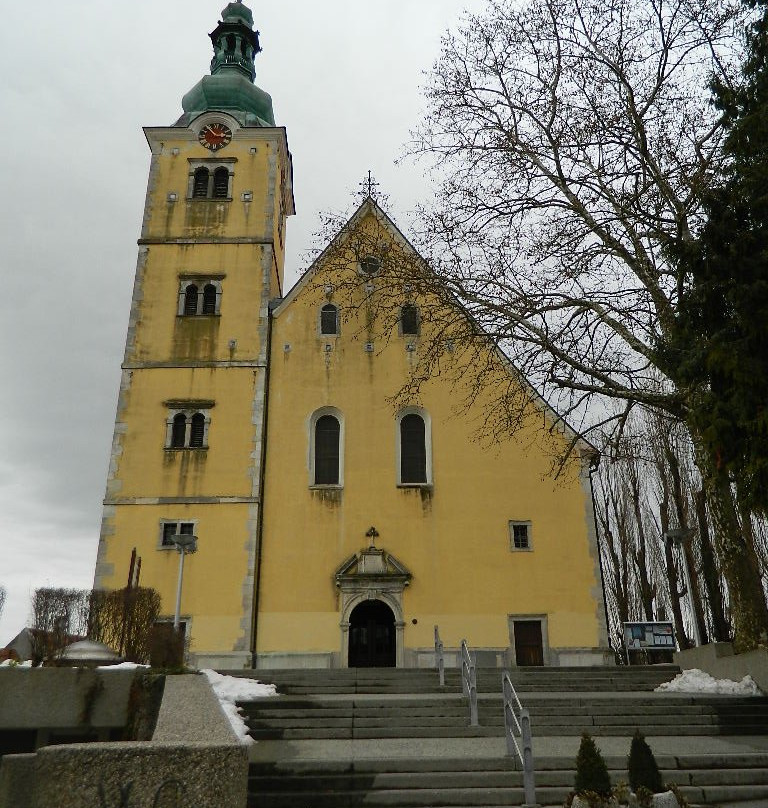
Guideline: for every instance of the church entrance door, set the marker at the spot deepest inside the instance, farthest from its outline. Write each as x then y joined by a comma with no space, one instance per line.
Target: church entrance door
372,636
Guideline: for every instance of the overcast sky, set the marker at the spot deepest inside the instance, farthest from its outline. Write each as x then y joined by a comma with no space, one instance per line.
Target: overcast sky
80,79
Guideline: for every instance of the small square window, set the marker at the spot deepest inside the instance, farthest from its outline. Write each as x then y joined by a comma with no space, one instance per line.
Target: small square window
170,529
520,536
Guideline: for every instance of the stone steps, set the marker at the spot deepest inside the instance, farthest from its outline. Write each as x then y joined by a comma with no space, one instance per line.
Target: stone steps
289,718
440,783
411,716
399,680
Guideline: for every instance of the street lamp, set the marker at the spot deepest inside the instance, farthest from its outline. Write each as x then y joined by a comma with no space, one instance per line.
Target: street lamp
680,536
185,544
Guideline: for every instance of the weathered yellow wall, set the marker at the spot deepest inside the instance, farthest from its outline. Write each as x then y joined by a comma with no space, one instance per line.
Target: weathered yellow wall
212,594
454,538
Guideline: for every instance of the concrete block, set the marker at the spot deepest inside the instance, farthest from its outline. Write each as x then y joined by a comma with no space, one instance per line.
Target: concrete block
142,775
17,774
63,697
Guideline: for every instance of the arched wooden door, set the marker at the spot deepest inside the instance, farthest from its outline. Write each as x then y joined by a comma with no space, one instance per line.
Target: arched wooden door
372,641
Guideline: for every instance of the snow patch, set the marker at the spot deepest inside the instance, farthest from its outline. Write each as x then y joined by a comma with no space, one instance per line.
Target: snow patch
12,663
231,689
697,681
121,666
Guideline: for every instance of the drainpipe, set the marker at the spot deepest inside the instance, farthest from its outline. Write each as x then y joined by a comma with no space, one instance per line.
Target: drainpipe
273,304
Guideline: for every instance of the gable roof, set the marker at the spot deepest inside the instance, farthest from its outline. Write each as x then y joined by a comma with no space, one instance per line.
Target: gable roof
370,206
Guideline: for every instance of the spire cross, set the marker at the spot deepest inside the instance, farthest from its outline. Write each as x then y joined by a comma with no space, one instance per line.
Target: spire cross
369,185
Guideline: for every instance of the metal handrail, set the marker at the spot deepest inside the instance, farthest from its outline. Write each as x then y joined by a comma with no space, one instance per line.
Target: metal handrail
439,657
469,682
523,727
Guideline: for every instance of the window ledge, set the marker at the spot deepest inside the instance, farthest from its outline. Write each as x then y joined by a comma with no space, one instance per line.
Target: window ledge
209,199
521,549
416,485
196,316
326,487
186,448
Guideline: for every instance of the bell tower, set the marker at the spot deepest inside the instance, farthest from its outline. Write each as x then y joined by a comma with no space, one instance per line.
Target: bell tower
187,452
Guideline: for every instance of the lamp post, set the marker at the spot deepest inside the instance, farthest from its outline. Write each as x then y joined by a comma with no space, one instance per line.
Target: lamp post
184,544
679,537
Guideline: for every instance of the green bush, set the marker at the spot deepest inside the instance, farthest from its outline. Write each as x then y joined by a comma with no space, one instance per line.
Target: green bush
591,771
642,768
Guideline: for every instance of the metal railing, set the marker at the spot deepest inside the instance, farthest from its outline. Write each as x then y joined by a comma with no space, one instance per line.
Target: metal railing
469,682
523,727
439,657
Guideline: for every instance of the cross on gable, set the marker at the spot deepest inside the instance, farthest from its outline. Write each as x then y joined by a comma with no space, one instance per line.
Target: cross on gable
369,186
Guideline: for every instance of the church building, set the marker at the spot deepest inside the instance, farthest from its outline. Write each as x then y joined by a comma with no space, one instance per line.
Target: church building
342,501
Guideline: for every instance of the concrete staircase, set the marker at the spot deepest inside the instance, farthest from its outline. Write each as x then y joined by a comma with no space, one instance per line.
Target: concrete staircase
395,738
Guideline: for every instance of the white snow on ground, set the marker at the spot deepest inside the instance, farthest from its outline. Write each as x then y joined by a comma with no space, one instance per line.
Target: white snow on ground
230,689
11,663
122,666
697,681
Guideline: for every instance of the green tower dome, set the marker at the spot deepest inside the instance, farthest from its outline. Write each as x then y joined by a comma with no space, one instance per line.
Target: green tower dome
230,86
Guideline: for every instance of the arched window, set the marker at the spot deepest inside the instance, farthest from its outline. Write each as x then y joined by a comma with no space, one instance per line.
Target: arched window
409,320
230,43
200,185
413,450
209,299
221,183
329,320
327,438
179,431
190,299
197,432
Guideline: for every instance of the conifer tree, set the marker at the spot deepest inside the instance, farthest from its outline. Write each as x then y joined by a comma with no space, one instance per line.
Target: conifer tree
642,767
724,315
591,771
722,347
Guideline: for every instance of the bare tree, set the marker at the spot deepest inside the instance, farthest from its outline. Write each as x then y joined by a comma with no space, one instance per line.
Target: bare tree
574,139
122,619
2,599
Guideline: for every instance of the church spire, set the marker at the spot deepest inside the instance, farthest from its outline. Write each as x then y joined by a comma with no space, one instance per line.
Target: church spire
235,43
230,86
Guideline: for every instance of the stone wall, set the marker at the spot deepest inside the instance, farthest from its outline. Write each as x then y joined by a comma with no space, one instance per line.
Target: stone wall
718,660
193,759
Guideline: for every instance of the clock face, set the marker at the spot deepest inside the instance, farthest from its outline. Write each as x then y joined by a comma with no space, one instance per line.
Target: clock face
215,136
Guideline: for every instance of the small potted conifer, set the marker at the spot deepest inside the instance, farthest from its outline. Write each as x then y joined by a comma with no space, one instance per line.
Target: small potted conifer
645,777
592,788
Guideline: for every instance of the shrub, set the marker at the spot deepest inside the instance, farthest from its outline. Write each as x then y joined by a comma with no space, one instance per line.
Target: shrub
591,771
642,767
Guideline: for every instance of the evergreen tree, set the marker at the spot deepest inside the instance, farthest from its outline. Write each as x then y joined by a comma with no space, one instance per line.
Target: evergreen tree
724,312
591,771
642,767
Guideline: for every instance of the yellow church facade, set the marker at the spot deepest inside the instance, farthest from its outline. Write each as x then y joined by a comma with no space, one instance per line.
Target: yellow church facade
341,509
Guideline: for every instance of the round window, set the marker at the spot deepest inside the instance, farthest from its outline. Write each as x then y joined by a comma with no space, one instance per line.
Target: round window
370,265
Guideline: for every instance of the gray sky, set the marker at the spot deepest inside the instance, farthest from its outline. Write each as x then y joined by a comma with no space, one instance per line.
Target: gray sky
80,79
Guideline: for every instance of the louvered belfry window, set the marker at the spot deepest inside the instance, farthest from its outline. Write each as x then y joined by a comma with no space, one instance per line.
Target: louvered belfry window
209,299
179,431
329,320
327,433
413,449
197,432
409,319
221,183
200,185
190,299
